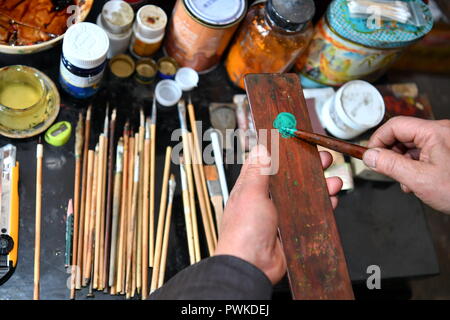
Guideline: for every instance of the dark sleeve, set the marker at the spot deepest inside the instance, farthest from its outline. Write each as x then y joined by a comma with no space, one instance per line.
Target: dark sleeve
217,278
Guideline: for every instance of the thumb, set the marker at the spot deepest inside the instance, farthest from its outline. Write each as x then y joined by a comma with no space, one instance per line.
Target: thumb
254,177
392,164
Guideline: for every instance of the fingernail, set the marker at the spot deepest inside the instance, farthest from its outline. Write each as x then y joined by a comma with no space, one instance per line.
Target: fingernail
370,158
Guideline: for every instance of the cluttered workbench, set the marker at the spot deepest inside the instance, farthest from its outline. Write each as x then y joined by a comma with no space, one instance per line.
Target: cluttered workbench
378,223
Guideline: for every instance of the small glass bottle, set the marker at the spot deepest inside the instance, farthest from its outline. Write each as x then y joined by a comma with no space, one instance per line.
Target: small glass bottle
270,38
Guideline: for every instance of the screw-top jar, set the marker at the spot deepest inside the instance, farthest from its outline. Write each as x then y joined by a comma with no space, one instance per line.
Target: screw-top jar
83,59
148,31
356,107
200,31
270,38
117,20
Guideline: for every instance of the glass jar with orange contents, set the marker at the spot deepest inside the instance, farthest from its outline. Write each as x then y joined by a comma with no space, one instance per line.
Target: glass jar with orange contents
271,38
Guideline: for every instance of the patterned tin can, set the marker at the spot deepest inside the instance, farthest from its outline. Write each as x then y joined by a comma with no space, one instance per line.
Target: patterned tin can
345,48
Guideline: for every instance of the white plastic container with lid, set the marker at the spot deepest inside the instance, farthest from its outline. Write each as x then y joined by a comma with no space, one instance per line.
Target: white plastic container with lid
187,78
168,92
356,107
148,31
116,19
83,59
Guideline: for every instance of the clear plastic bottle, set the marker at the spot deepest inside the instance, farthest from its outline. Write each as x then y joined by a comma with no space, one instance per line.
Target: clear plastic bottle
271,38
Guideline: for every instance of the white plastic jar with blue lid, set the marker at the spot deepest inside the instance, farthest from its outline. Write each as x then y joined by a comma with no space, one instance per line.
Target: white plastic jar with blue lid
83,59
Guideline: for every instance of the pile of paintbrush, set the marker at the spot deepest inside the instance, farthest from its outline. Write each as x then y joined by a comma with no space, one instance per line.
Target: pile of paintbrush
115,238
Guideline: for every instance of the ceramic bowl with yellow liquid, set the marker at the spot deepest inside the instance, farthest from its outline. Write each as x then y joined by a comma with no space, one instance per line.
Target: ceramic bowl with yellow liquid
29,101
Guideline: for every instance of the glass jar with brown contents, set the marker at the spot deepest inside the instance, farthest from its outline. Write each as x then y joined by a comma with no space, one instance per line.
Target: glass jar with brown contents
270,39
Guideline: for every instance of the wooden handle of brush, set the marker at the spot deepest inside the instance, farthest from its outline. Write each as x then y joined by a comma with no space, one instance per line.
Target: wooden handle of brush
162,267
350,149
80,250
123,219
190,184
76,211
145,220
151,231
140,213
217,202
129,249
90,216
131,234
196,156
101,277
189,227
37,244
161,218
115,230
201,199
98,216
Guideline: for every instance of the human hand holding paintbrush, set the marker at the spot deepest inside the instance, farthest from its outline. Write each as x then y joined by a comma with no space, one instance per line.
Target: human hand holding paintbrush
249,225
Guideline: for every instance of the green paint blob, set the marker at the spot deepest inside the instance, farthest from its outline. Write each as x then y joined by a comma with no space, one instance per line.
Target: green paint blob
285,120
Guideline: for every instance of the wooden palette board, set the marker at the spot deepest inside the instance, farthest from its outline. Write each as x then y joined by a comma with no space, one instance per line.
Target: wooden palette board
316,263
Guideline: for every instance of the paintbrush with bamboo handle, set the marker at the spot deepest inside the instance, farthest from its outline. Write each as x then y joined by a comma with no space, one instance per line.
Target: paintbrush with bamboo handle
145,211
165,245
151,226
132,223
76,202
201,199
133,262
80,249
101,277
123,213
161,218
37,242
90,214
197,161
136,218
109,198
87,215
215,192
98,216
139,228
129,249
187,212
115,214
347,148
188,167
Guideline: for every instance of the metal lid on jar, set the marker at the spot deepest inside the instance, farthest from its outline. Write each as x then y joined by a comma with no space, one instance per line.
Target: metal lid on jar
151,21
85,45
117,16
216,12
290,15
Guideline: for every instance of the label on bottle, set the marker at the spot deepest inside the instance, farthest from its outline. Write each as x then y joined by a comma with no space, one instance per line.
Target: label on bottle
77,81
143,49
